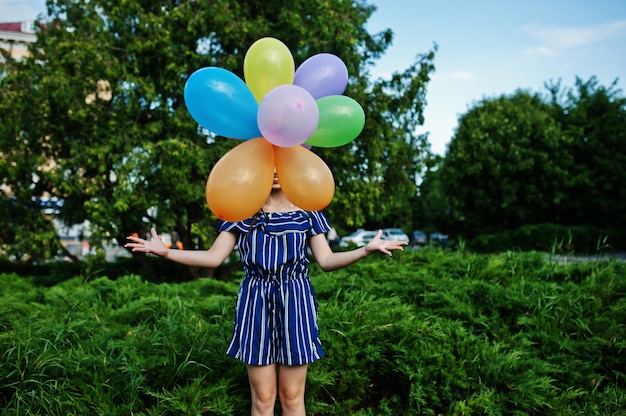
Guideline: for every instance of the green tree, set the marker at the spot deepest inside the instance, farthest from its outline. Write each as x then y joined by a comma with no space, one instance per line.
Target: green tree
433,211
595,116
96,116
507,165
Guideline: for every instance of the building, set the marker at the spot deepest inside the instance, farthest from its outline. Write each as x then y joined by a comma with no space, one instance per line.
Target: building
16,36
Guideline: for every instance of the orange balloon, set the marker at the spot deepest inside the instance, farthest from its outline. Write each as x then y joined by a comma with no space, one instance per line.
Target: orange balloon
304,177
241,180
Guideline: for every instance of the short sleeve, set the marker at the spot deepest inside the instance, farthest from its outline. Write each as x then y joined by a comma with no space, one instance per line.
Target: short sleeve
319,223
240,226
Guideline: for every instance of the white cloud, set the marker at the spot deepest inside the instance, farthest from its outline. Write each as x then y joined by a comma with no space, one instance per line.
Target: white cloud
456,75
556,39
540,50
461,75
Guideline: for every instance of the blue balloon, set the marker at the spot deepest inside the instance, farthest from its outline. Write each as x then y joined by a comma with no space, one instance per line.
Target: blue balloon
221,102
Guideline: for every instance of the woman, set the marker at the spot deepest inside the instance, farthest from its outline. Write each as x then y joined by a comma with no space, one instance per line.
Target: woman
275,332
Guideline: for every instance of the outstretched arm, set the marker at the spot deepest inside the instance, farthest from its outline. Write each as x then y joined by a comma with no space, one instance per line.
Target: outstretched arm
329,260
211,258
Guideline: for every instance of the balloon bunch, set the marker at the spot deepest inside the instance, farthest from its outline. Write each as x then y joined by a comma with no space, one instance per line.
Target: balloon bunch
279,113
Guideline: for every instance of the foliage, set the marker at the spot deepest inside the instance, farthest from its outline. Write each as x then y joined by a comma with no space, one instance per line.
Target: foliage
96,116
595,116
507,164
523,160
111,347
53,272
551,238
432,208
426,332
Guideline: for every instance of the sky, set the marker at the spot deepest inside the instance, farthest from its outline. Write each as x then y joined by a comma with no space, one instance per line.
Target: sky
486,48
489,48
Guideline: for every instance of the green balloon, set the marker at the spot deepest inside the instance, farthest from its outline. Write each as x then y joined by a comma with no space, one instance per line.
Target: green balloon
341,119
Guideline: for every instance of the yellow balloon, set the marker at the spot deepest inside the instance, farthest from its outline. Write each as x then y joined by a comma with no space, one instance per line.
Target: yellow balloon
267,64
304,177
241,180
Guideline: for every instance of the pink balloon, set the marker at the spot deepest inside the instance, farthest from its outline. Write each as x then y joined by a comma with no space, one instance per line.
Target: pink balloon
322,75
287,116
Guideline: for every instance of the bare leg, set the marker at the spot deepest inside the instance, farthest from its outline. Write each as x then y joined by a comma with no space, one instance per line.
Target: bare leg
291,384
262,380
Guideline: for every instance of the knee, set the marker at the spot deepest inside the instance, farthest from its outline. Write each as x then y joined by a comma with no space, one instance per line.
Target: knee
263,404
291,398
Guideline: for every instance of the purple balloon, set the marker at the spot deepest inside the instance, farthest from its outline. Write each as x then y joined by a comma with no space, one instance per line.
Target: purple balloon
322,75
287,115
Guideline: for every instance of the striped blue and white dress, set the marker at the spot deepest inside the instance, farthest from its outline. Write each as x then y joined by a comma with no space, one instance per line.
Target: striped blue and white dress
276,312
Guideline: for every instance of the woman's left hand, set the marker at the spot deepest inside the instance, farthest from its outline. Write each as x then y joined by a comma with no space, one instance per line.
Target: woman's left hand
384,246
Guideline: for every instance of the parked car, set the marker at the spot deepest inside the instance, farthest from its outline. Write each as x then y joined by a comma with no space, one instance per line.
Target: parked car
395,234
418,238
358,238
439,239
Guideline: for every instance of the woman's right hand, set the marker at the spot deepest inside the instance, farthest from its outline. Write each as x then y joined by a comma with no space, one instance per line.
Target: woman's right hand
154,245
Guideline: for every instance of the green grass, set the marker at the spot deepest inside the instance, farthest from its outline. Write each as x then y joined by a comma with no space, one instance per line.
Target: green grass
429,332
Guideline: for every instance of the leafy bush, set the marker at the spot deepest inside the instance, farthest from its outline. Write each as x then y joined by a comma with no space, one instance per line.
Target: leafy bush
53,272
550,238
427,332
117,347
